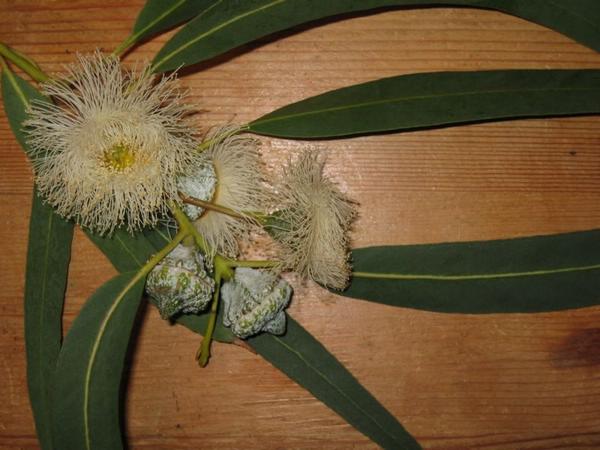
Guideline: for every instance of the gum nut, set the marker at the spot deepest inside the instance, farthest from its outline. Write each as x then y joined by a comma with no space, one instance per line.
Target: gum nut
201,185
253,300
180,284
277,325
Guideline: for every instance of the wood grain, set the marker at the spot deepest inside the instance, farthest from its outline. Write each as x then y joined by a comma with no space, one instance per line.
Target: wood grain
456,382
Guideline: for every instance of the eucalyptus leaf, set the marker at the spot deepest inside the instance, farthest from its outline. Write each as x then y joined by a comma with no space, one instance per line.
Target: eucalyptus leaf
48,258
304,359
434,99
158,16
125,251
85,395
46,274
524,275
231,23
17,94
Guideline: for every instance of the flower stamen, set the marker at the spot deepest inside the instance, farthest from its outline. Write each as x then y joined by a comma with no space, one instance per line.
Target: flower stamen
119,157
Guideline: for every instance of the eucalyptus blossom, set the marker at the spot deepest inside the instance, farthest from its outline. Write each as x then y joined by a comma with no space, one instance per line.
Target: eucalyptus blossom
313,221
109,150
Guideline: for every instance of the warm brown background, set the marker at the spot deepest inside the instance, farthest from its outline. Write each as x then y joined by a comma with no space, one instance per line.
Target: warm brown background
496,382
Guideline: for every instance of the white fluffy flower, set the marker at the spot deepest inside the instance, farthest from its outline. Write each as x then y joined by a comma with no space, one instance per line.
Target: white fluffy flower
234,161
109,151
314,218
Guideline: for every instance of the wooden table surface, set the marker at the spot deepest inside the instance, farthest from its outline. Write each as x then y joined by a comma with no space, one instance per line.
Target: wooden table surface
455,382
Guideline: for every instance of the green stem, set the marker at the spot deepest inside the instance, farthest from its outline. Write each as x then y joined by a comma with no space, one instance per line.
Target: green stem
26,64
225,264
211,206
203,354
124,46
258,217
158,257
185,224
220,262
222,271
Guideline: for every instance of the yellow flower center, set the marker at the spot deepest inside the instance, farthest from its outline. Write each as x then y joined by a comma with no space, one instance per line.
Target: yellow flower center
119,157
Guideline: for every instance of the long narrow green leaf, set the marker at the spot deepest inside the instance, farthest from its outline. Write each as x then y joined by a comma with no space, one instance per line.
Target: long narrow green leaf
304,359
48,258
17,94
158,16
86,386
525,275
46,275
435,99
125,251
231,23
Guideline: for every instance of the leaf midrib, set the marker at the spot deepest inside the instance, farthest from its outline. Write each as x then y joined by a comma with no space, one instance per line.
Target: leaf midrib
134,37
88,374
43,307
471,277
410,98
40,366
128,251
327,380
215,29
16,87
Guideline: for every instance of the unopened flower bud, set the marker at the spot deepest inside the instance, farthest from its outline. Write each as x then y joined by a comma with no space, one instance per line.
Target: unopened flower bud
201,184
254,301
180,284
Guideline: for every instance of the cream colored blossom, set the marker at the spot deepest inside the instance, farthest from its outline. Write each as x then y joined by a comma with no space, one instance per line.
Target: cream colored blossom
109,151
315,218
234,160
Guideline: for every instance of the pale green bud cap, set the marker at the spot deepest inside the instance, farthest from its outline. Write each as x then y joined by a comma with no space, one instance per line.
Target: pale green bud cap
180,284
254,302
201,184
